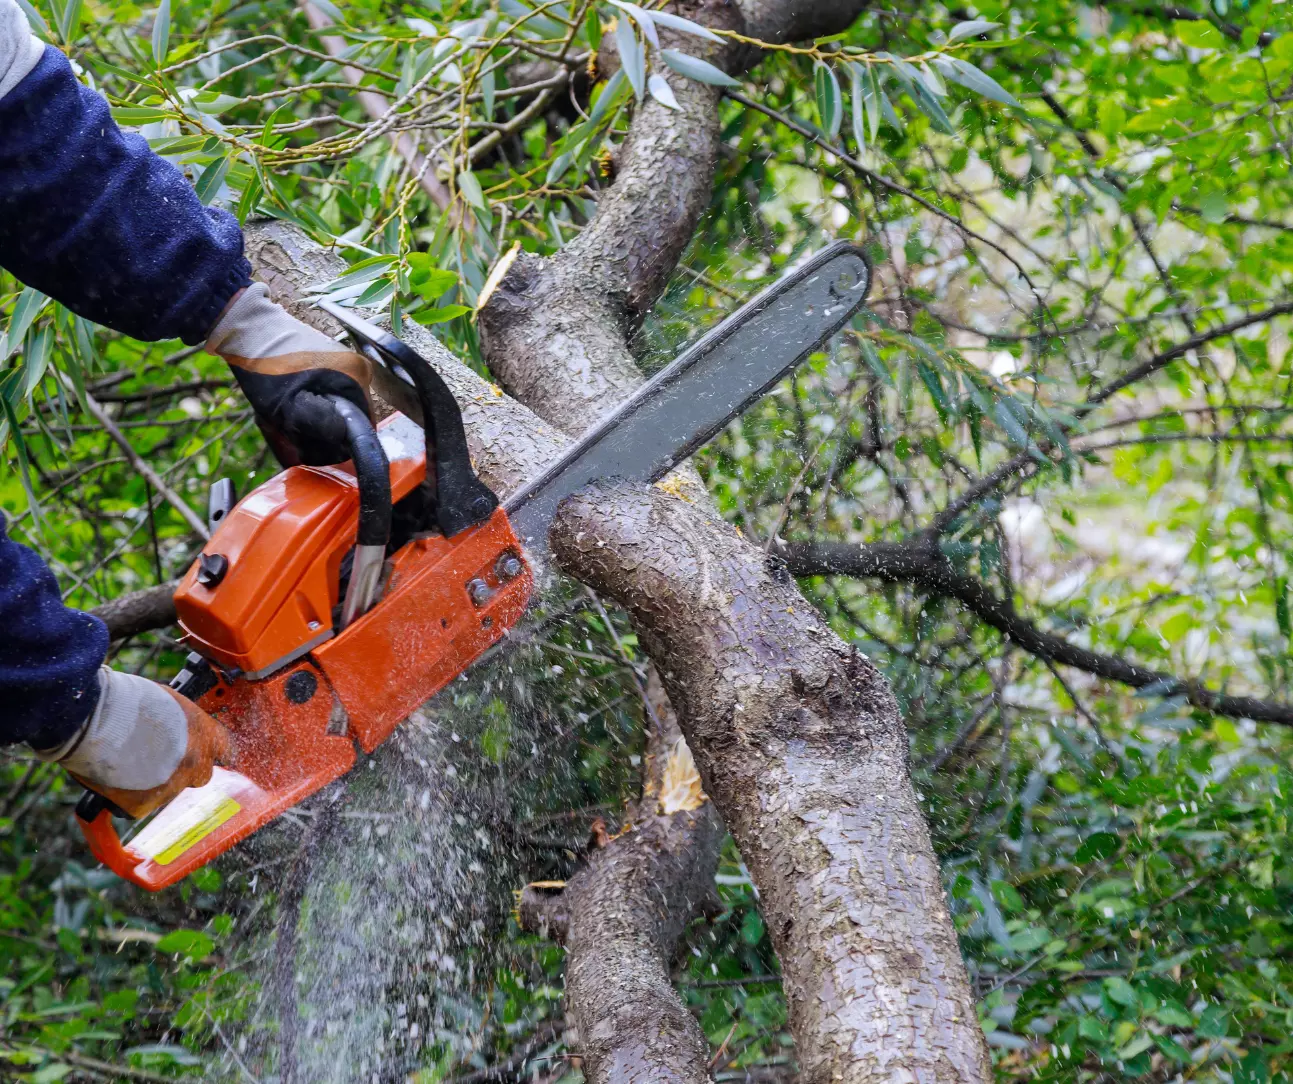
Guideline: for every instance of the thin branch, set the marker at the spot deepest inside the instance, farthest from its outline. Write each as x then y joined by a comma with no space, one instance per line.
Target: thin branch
928,568
1163,358
377,108
884,182
137,461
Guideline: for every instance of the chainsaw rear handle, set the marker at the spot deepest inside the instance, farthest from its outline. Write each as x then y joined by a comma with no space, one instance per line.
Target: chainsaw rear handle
372,471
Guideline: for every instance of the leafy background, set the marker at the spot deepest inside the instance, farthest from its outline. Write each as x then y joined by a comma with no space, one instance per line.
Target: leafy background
1054,195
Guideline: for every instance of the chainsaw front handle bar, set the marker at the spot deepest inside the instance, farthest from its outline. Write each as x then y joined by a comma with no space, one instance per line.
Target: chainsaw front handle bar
372,471
455,499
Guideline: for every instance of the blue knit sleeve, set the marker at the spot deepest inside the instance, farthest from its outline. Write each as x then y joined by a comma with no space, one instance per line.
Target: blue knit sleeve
49,655
91,217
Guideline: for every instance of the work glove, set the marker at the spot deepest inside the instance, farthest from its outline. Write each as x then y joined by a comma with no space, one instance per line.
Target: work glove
287,371
143,744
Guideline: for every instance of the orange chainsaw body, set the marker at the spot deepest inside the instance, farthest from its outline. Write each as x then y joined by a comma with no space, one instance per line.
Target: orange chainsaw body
300,700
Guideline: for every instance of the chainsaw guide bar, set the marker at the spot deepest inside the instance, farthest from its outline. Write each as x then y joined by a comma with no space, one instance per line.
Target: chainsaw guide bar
330,602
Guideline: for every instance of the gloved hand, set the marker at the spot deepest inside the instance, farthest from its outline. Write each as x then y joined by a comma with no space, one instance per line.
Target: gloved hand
287,369
143,744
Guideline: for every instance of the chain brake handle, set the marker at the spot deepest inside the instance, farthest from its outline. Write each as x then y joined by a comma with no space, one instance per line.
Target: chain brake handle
456,498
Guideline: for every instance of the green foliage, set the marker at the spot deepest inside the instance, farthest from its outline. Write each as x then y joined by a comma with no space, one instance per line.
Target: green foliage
1053,195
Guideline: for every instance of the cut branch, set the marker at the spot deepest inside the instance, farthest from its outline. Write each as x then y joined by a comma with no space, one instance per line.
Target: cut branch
621,918
929,569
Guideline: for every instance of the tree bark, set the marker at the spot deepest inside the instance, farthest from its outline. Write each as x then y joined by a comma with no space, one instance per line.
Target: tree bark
139,611
800,744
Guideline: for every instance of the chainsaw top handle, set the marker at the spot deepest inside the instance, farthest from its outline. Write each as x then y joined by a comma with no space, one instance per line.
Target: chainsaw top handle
455,498
372,471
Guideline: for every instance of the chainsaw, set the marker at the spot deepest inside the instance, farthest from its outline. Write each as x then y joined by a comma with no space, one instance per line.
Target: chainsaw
321,582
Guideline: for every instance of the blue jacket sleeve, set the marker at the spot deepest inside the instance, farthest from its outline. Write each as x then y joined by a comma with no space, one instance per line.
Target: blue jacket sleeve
49,655
91,217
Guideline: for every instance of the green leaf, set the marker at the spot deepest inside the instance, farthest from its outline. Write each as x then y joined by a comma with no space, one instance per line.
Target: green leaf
857,81
934,383
377,294
24,463
34,19
608,98
873,361
374,267
177,145
249,199
1093,1028
644,19
1214,1023
632,56
971,78
212,103
971,28
932,80
830,104
25,310
686,26
1007,896
1121,992
122,1000
193,944
440,316
871,95
695,68
162,33
661,91
69,19
931,107
1198,33
208,185
1098,846
562,163
1174,1015
1214,208
1030,940
433,282
890,114
138,114
1138,1045
593,29
469,187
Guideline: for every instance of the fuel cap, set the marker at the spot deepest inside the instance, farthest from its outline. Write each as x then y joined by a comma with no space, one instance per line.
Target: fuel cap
212,568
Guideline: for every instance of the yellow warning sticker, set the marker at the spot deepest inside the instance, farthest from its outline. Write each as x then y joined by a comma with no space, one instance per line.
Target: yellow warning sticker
198,832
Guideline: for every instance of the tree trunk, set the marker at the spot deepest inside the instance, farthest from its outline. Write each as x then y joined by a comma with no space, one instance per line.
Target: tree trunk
827,819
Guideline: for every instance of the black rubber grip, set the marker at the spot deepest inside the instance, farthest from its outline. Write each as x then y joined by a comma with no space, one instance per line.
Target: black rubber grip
373,472
92,804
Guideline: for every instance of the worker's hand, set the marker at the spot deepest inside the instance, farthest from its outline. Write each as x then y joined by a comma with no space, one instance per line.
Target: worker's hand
143,744
287,370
